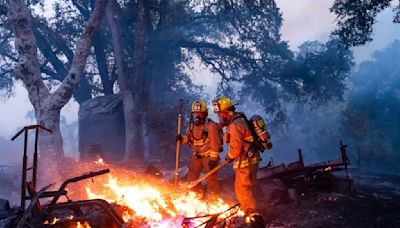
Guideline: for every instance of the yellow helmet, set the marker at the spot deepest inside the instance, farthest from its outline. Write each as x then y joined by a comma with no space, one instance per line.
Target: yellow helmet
222,104
199,106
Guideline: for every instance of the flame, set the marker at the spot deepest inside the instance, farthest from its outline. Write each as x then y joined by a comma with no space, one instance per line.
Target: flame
157,206
55,220
143,200
154,204
100,161
84,225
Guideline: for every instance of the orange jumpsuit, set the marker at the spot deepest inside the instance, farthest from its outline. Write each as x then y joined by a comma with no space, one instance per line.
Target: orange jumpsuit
240,139
205,141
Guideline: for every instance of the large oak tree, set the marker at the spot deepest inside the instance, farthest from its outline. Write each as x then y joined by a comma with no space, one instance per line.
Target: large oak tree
48,104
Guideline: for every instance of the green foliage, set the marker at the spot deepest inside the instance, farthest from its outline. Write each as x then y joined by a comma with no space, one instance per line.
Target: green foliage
314,76
322,70
237,40
355,19
7,56
371,117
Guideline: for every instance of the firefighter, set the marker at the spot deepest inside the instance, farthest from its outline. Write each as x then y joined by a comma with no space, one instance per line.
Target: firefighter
204,137
244,155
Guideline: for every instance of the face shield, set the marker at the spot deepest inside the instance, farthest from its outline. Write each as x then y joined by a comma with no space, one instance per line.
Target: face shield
224,117
199,118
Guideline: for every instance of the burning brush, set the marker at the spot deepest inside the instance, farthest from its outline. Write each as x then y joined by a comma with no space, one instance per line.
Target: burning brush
144,201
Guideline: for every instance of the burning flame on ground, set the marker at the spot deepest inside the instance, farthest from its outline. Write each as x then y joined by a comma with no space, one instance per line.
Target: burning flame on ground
153,202
82,225
55,220
99,161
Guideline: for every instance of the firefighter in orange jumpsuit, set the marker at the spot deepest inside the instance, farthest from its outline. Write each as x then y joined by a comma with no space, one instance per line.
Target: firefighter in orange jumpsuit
244,155
204,138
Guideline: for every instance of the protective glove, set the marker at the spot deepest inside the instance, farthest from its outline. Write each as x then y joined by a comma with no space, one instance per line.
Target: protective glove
179,138
227,158
212,164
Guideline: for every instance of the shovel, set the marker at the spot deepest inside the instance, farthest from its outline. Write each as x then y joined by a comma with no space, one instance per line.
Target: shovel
196,182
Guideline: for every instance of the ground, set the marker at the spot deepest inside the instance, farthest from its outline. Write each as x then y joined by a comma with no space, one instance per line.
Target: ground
375,203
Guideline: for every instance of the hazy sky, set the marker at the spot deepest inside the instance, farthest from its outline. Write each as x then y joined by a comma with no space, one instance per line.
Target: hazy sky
303,20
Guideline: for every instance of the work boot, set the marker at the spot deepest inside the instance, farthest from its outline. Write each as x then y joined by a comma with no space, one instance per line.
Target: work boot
255,220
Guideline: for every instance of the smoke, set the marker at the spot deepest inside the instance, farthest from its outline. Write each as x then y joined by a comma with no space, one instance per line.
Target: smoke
10,169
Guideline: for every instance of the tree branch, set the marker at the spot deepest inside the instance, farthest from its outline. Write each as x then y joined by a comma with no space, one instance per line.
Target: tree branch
53,38
201,44
82,50
28,67
51,56
112,16
101,60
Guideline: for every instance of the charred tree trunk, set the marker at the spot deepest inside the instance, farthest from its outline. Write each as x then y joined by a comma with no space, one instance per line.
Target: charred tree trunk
48,105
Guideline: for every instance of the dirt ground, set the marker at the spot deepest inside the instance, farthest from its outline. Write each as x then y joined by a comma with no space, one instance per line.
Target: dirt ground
374,203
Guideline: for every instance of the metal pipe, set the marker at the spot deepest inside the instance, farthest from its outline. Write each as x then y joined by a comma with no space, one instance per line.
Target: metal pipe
24,164
35,160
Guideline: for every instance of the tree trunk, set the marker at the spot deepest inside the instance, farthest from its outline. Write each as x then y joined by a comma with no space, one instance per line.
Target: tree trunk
139,79
133,121
48,105
51,143
101,59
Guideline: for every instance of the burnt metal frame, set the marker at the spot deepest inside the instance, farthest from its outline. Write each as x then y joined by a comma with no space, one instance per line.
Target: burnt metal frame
24,184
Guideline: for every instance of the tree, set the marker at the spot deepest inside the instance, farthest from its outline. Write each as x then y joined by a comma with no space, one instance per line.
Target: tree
56,38
154,44
356,17
47,105
371,116
162,36
314,76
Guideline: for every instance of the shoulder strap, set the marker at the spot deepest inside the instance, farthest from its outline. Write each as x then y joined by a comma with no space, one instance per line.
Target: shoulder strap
240,115
191,131
205,130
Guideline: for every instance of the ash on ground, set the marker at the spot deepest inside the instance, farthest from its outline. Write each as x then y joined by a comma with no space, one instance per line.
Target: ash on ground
373,203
